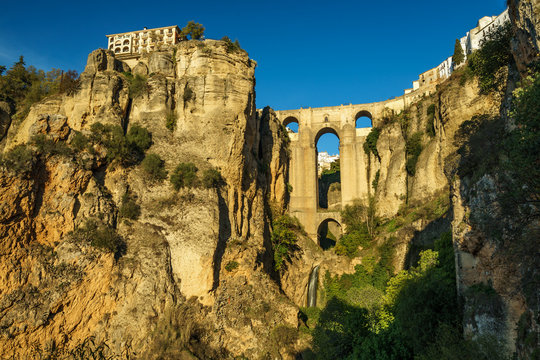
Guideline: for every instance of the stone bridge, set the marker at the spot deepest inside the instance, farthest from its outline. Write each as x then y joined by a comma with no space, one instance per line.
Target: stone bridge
341,121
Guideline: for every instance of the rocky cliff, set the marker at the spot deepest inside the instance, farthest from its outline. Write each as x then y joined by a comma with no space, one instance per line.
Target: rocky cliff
165,290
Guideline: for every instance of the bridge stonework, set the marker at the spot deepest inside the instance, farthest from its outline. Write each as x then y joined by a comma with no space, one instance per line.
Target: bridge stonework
341,121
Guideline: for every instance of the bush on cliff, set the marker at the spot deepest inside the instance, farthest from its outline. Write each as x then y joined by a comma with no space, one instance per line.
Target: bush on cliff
19,160
193,30
370,146
126,149
101,236
153,166
494,53
185,175
137,84
212,179
284,240
129,209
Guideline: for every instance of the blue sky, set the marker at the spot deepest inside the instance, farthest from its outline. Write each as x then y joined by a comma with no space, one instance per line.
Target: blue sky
309,53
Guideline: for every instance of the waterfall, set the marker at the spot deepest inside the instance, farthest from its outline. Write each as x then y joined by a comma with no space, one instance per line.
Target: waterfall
312,287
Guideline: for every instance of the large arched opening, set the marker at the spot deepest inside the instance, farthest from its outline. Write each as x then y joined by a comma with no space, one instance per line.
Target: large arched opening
363,119
328,233
291,124
328,169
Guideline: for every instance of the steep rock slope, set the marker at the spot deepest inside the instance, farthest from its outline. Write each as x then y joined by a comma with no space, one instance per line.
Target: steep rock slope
168,288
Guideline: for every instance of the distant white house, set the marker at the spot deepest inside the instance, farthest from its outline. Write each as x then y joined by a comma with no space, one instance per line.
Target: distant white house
474,37
470,42
325,160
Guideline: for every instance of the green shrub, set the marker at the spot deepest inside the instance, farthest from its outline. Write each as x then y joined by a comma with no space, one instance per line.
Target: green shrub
126,149
170,120
231,47
459,56
211,178
153,165
375,182
413,148
494,53
47,146
139,138
193,30
521,146
348,244
284,240
370,145
79,142
137,84
19,160
185,175
231,265
129,209
100,236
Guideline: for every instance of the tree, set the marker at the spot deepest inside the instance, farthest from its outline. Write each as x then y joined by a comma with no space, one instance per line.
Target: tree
193,29
459,56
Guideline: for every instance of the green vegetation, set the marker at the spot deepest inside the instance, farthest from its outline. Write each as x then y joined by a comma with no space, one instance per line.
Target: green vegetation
334,168
370,146
360,222
231,46
495,53
459,56
185,175
79,142
126,149
418,305
212,179
137,84
101,236
231,265
47,146
194,30
375,182
19,160
413,149
153,166
430,127
22,86
522,144
170,120
284,240
129,209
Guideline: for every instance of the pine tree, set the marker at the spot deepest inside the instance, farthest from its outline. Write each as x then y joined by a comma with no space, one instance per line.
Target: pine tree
459,56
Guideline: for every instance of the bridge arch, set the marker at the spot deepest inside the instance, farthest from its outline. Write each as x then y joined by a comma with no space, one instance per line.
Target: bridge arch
328,233
326,130
291,123
363,119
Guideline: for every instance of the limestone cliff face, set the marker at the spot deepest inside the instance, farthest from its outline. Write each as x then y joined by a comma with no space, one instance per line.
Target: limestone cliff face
526,27
170,286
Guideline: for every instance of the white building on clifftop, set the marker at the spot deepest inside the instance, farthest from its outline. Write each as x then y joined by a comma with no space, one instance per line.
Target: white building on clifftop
132,44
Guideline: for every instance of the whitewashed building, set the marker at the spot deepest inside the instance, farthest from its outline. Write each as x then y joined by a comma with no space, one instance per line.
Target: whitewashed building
134,43
325,160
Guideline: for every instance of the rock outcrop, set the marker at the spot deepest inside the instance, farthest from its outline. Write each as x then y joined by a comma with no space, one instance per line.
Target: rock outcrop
58,292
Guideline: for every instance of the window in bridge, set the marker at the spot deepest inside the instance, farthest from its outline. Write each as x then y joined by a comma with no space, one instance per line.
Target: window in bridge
291,123
363,120
328,170
328,233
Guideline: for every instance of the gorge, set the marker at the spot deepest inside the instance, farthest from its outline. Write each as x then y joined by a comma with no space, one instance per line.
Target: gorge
152,212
